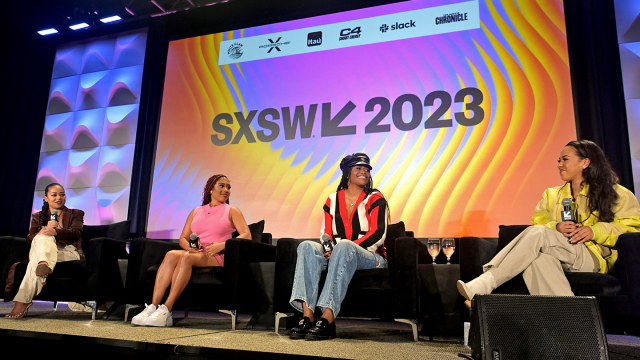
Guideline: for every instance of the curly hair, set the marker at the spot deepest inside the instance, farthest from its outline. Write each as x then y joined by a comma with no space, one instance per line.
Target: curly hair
42,219
600,177
206,193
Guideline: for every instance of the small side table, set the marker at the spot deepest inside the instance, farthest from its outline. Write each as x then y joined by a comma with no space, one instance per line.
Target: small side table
439,298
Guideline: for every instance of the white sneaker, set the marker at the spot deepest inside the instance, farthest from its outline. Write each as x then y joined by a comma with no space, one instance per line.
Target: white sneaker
142,317
161,317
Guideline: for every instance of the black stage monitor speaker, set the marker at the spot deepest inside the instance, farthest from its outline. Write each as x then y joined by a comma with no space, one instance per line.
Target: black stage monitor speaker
516,327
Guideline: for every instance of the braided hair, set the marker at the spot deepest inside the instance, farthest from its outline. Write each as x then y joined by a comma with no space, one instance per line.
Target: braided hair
348,163
42,220
206,193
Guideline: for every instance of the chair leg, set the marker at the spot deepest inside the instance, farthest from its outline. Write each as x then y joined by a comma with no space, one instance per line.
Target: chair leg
126,310
55,306
279,316
94,309
414,326
233,317
186,313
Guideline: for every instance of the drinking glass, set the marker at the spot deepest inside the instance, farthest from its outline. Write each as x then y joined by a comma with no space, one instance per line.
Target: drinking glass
433,244
448,247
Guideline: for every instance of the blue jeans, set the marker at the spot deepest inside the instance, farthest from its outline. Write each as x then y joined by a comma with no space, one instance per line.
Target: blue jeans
346,258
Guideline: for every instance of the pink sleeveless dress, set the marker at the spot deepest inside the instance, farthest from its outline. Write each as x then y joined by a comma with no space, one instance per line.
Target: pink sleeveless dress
211,224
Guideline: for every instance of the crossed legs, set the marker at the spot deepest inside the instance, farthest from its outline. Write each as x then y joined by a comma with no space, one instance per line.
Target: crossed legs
43,257
176,271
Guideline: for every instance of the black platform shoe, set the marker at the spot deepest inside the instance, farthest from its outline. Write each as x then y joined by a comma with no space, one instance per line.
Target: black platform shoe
322,331
300,331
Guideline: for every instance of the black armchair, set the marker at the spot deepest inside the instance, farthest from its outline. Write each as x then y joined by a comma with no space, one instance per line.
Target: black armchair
618,292
12,250
392,293
95,280
229,289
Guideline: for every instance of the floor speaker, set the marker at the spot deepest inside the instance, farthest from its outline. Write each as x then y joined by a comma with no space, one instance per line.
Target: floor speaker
505,327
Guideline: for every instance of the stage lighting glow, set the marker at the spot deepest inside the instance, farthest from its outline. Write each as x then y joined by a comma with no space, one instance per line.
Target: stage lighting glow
79,26
48,32
111,19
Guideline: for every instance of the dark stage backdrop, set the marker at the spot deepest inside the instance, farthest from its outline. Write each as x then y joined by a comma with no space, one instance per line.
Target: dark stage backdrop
25,78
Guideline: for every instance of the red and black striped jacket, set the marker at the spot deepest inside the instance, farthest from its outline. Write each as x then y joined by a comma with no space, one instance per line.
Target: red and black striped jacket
367,226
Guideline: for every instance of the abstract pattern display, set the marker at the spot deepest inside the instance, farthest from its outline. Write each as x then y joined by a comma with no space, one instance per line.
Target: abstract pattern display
628,24
463,128
91,124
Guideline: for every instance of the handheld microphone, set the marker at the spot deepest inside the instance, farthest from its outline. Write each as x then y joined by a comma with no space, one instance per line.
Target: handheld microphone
194,241
54,215
567,214
327,244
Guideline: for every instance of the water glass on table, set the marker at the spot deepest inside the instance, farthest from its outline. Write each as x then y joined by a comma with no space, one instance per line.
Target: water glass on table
433,244
448,247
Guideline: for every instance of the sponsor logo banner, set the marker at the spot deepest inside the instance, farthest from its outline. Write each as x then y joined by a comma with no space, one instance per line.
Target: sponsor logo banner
405,25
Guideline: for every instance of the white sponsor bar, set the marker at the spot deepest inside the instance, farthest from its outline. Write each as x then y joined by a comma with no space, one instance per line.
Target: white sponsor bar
404,25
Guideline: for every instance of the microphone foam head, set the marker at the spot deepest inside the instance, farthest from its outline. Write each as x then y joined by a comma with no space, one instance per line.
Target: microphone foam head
566,202
193,236
325,237
54,212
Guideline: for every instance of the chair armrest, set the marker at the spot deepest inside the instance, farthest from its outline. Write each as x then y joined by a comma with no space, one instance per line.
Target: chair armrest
627,268
238,254
286,258
144,253
409,252
12,250
474,252
104,282
267,238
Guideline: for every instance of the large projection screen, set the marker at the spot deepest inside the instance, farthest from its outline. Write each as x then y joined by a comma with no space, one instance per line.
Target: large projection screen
463,107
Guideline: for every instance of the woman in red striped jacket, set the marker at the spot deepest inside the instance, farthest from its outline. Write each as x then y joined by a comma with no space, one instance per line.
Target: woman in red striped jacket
355,220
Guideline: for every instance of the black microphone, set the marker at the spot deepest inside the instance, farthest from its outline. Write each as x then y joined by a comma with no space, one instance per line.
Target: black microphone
327,244
568,214
54,215
194,241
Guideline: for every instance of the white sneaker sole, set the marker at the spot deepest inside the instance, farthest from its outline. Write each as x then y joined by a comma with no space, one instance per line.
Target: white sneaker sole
158,322
138,321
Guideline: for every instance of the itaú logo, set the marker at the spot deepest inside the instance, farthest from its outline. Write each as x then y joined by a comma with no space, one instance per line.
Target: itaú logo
397,26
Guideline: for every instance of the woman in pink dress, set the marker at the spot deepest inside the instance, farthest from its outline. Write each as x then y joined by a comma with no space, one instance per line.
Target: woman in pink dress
214,222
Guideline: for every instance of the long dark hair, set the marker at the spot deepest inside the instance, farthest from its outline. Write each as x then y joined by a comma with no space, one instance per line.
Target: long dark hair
42,220
600,177
206,193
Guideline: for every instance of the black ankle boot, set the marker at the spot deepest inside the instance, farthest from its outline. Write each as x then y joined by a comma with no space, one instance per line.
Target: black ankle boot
322,330
300,331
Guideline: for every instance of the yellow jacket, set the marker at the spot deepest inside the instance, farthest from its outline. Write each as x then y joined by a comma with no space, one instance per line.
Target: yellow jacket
626,219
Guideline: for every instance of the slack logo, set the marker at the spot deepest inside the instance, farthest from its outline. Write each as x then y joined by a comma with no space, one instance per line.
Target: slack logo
314,38
397,26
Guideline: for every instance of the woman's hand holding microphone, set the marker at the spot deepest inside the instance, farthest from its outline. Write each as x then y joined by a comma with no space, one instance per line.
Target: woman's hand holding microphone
50,229
576,234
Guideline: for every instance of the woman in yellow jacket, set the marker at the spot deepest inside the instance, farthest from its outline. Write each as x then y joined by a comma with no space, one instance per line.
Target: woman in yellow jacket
544,251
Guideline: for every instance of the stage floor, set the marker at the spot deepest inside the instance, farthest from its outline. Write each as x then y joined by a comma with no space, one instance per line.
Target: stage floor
357,339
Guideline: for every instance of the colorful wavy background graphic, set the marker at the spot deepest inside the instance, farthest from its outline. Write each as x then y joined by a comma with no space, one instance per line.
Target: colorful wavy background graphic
452,181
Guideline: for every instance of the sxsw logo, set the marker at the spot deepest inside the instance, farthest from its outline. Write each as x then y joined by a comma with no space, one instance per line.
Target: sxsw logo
314,38
397,26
